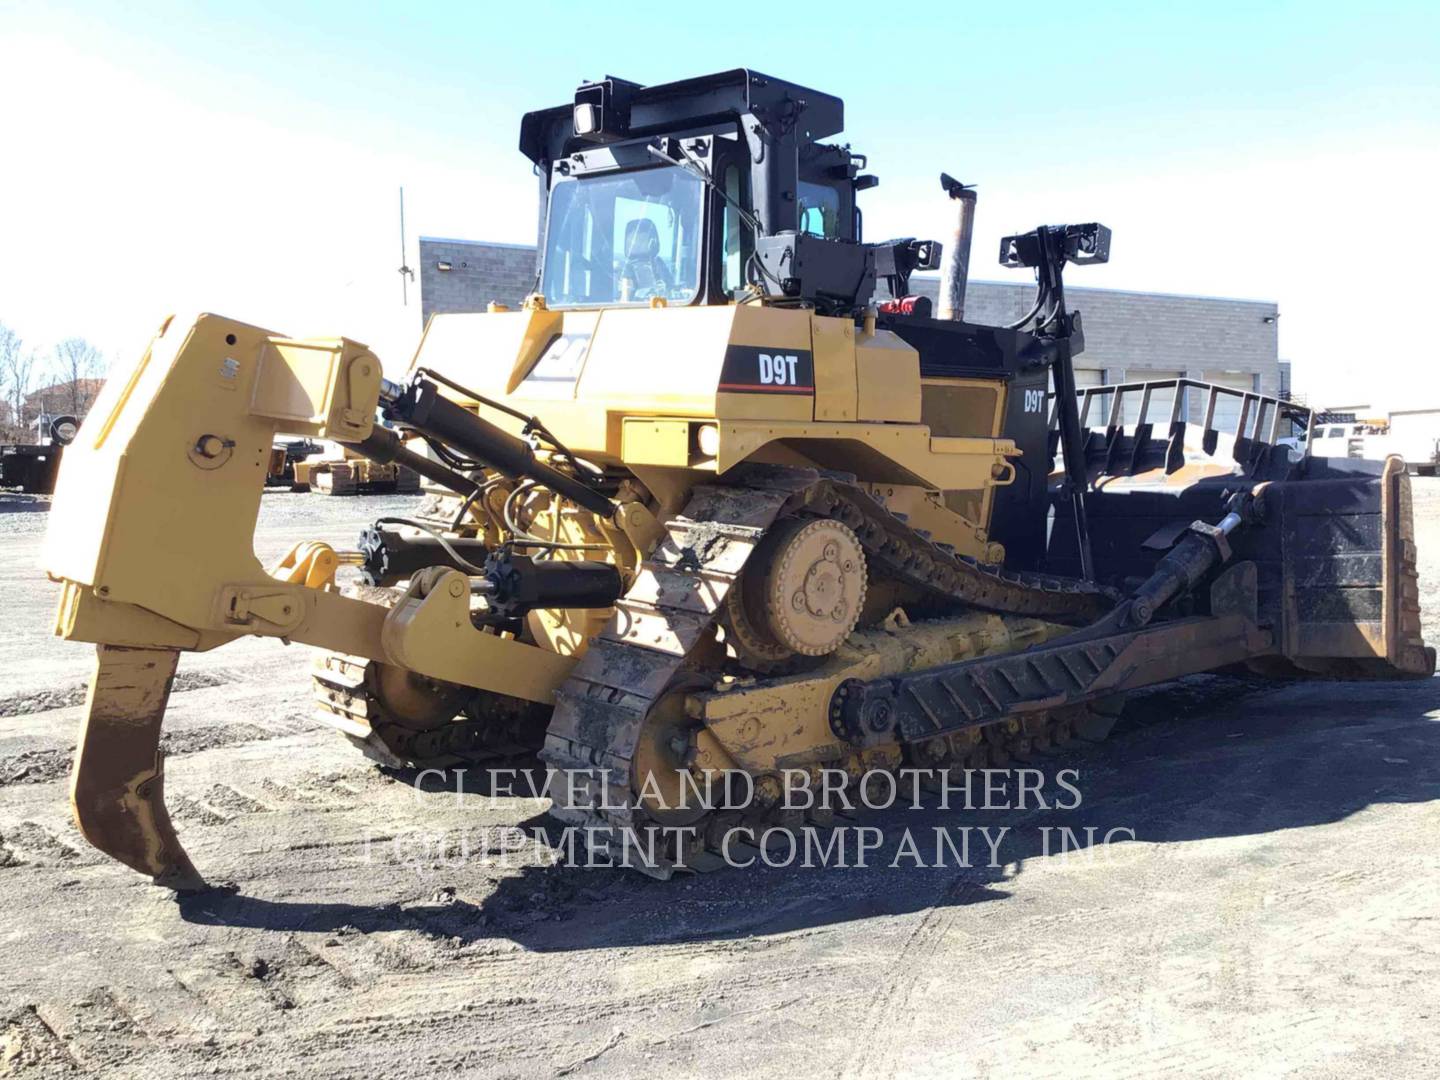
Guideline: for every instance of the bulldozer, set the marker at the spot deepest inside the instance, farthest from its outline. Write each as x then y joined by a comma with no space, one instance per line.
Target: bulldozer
724,498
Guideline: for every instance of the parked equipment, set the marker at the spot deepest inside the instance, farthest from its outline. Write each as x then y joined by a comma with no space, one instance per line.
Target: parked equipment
702,508
33,467
287,455
348,472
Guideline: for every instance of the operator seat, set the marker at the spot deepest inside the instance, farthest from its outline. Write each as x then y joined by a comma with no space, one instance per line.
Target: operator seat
644,268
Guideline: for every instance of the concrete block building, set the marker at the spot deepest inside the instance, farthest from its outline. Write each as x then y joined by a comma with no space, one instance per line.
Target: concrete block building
1135,336
465,275
1129,336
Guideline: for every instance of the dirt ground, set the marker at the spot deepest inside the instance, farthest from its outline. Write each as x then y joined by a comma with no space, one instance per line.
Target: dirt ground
1274,914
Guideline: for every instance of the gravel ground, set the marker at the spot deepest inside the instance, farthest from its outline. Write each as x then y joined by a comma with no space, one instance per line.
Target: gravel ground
1274,914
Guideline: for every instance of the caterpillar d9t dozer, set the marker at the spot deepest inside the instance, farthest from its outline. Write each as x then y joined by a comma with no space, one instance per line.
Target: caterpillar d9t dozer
722,500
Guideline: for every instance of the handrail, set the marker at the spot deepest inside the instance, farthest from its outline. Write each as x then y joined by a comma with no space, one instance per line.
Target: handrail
1258,412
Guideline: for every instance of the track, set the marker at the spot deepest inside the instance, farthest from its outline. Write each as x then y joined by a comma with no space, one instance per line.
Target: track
595,736
493,729
649,647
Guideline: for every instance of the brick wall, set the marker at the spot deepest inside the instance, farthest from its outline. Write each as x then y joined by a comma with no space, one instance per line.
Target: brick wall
479,274
1130,333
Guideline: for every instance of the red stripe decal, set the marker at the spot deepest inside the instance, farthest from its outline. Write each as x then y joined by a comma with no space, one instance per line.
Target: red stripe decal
756,388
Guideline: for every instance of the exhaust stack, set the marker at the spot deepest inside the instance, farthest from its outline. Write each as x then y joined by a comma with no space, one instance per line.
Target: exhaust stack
956,268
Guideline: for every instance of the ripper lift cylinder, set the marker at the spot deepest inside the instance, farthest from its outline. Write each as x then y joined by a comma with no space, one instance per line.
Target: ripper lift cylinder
385,446
423,408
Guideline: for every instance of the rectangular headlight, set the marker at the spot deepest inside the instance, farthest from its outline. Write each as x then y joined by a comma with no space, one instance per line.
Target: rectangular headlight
587,119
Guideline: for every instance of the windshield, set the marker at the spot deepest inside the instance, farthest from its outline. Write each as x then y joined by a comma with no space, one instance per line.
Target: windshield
622,239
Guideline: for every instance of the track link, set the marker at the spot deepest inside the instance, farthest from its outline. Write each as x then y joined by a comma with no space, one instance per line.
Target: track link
602,708
487,729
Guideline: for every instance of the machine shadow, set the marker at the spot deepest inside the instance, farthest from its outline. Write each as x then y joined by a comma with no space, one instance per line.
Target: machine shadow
1211,756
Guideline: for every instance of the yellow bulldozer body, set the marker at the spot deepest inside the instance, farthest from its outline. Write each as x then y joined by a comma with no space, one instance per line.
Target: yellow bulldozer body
715,509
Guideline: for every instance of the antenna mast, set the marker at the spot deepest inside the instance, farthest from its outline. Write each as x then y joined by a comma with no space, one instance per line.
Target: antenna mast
406,274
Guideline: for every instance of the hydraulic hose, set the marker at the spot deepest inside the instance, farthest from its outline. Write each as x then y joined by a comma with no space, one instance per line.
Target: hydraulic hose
423,408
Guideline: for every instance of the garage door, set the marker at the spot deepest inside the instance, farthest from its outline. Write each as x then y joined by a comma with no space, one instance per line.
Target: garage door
1227,406
1161,401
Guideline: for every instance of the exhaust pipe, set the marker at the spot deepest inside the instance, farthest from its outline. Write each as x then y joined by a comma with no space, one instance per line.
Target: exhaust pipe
955,270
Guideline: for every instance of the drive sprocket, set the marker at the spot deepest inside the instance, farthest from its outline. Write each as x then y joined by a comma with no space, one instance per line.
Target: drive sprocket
809,585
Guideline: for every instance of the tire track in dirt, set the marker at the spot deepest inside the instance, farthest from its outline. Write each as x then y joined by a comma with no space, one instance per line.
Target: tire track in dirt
31,844
874,1052
66,697
101,1031
30,1046
44,766
887,1027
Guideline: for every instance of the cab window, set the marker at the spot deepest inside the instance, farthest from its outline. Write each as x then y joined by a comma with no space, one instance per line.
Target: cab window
733,272
623,238
819,210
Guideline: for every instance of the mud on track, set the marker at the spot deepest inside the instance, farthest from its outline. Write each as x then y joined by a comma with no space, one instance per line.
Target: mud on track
1275,911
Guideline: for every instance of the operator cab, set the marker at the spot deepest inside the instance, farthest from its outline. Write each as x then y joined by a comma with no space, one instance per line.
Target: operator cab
657,193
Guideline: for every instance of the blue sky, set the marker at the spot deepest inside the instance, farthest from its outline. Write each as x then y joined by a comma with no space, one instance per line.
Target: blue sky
244,157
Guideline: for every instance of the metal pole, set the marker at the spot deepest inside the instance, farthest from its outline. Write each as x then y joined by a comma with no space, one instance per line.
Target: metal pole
406,274
955,269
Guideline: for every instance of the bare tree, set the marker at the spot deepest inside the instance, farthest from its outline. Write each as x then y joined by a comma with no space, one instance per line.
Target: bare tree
77,365
17,367
9,345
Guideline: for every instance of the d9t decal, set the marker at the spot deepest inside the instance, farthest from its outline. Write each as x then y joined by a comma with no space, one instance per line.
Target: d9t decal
751,370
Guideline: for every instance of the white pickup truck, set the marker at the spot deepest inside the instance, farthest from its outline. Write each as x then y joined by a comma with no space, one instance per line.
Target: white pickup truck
1343,440
1414,436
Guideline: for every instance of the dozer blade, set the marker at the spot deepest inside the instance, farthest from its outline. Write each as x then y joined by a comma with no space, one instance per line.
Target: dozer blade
1334,562
1333,576
117,787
